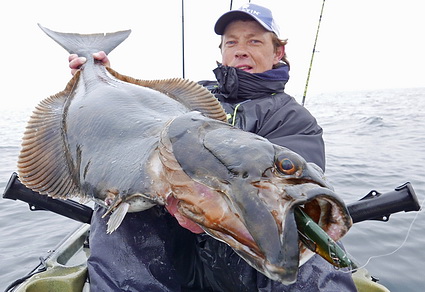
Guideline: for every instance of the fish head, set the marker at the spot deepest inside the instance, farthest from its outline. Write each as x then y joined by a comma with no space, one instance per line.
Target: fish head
242,190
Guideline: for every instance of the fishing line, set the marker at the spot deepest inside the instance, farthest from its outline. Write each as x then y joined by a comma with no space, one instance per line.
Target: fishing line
312,54
394,251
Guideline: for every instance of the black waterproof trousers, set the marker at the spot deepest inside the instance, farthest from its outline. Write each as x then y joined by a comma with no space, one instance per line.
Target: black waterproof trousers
151,252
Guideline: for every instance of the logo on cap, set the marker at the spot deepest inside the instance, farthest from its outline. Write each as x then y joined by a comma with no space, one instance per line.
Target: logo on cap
251,11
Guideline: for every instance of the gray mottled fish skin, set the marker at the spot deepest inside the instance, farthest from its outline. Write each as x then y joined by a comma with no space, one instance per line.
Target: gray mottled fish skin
95,138
130,144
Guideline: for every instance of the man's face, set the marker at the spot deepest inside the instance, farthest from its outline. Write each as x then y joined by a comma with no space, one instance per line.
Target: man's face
248,46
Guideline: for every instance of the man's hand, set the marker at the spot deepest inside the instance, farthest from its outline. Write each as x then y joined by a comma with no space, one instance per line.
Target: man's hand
75,62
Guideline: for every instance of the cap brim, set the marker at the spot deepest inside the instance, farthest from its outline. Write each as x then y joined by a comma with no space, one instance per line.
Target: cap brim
230,16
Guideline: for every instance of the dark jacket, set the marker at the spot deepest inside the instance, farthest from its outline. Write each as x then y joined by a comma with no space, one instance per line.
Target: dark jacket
257,103
151,252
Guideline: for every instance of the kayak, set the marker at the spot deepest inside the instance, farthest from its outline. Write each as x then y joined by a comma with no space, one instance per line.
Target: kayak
65,269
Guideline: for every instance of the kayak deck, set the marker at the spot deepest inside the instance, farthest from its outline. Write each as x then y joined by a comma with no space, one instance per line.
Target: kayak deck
65,267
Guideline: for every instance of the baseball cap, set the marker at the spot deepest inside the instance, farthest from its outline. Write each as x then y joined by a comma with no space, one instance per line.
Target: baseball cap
259,13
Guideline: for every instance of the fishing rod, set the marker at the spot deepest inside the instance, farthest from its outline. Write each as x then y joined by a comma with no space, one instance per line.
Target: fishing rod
231,4
183,53
183,37
312,54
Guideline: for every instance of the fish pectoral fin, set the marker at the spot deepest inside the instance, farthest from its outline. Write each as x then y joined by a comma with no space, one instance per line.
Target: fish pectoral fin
194,96
117,216
43,164
116,201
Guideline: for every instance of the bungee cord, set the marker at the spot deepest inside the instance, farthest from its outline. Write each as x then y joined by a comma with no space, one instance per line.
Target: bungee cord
358,267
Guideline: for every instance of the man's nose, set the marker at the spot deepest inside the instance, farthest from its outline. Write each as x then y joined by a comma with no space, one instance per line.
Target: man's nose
241,53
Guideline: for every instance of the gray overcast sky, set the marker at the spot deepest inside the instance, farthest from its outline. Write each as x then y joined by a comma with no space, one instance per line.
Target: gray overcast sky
363,44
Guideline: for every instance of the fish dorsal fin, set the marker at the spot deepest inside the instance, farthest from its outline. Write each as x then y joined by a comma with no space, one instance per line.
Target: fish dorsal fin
43,165
189,93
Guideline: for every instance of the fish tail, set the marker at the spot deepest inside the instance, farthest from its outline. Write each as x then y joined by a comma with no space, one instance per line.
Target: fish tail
85,45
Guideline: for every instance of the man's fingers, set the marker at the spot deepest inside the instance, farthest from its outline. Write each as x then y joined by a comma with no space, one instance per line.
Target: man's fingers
76,63
101,56
72,57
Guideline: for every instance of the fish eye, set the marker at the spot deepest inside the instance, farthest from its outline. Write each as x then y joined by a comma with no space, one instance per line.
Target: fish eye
285,166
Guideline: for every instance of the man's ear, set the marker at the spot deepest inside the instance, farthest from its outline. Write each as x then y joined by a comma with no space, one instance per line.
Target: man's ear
279,53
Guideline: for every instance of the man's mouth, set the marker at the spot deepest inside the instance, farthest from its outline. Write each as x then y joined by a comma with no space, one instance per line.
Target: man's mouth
245,68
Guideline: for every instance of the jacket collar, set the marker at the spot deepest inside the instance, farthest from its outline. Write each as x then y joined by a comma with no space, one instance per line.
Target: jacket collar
236,84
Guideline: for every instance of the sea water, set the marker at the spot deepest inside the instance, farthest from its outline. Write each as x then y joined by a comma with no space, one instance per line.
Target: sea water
374,141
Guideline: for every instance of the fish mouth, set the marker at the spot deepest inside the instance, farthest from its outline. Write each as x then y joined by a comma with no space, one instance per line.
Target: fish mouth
312,194
264,233
257,218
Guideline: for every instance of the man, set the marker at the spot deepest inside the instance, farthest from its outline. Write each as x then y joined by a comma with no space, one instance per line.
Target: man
151,251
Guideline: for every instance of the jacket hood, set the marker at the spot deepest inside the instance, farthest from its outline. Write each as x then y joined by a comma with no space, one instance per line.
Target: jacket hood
235,84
